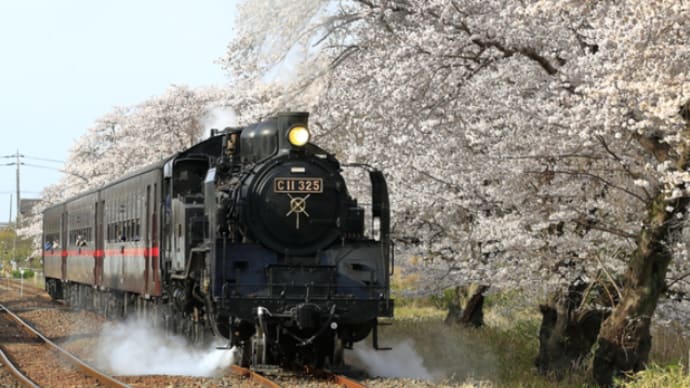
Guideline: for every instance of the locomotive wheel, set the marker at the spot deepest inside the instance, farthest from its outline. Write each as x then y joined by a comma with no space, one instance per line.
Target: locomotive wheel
323,351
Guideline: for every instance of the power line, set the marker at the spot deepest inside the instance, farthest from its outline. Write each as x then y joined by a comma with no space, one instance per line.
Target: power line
17,156
46,168
32,158
40,166
44,159
31,165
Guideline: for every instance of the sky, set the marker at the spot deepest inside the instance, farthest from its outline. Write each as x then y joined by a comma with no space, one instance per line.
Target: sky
64,64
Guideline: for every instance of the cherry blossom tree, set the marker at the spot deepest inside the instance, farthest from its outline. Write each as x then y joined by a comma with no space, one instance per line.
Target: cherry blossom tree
128,138
523,140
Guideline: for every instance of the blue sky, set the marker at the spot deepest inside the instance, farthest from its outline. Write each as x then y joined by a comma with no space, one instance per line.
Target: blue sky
65,63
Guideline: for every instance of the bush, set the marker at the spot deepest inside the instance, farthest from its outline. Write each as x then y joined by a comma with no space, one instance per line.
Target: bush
28,273
443,300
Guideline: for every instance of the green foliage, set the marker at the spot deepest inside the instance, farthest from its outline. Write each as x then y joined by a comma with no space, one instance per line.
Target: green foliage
10,248
444,299
28,273
399,285
411,307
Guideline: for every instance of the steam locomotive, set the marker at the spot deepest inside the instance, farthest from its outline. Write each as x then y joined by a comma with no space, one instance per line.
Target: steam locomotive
250,235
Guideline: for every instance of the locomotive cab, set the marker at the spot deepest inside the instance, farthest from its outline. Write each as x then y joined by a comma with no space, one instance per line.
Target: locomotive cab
185,208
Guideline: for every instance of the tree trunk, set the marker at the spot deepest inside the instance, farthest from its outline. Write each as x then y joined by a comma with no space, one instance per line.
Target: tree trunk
624,340
569,328
467,307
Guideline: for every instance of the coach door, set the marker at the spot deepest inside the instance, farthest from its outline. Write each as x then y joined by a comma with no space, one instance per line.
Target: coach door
147,242
62,244
153,286
98,244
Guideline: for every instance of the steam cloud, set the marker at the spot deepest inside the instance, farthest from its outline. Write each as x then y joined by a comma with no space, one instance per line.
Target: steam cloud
218,118
135,347
401,361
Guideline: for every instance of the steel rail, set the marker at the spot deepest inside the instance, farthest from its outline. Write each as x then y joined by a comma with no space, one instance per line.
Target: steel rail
256,377
23,380
85,368
345,381
335,378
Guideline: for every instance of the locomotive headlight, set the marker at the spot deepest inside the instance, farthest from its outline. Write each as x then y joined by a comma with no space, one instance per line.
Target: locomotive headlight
298,136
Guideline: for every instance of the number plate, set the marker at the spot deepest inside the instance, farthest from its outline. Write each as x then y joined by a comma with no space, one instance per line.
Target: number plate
298,185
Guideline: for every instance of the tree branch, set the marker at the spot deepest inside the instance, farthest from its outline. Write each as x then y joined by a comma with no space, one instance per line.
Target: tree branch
595,177
614,231
620,161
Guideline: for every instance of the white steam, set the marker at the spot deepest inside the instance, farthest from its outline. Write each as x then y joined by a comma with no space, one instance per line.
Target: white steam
401,361
218,118
134,347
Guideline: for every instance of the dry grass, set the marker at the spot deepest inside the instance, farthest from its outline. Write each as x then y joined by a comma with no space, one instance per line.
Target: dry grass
656,376
669,345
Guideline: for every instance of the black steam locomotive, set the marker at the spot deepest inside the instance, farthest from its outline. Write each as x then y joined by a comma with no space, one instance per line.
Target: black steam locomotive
250,235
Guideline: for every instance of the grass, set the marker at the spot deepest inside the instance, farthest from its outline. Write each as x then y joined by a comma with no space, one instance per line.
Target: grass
656,376
495,355
502,352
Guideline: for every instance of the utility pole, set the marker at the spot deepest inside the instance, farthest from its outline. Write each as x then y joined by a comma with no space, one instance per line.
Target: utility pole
18,200
14,241
18,162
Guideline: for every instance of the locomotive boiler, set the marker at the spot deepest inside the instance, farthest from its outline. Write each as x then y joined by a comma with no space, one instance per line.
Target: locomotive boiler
251,235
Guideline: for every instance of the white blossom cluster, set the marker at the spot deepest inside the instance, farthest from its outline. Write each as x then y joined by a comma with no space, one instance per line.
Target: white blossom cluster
127,139
522,141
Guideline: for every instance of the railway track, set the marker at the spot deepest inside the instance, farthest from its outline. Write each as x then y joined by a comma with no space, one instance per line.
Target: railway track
297,379
34,305
31,358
